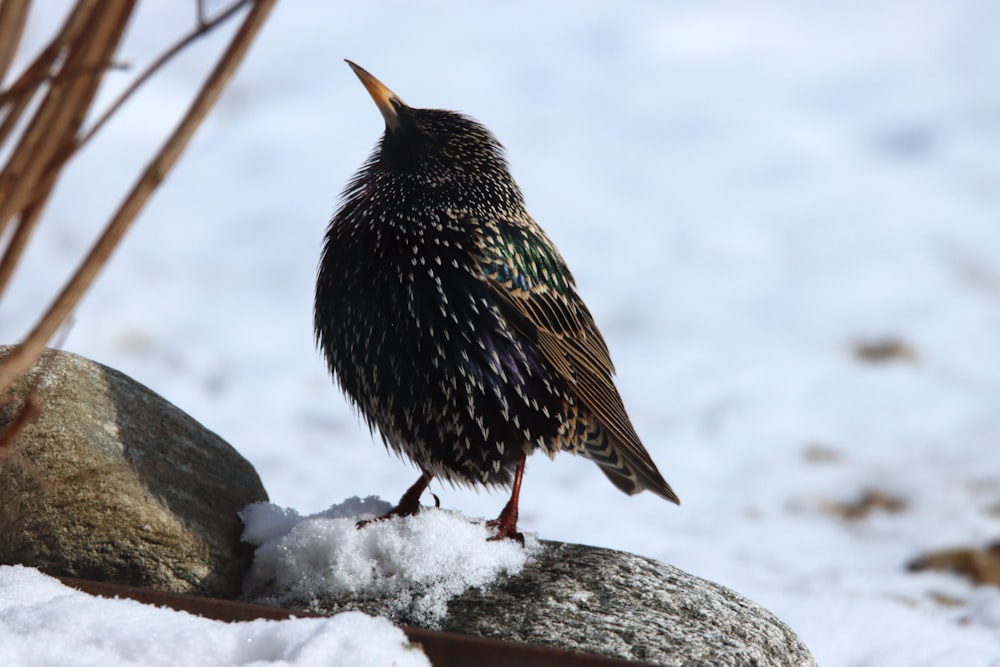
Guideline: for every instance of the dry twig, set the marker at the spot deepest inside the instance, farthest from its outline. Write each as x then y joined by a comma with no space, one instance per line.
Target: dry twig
81,52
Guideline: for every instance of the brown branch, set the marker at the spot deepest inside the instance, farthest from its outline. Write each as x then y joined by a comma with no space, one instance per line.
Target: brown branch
35,73
22,91
24,355
48,141
19,239
11,114
28,413
204,26
13,17
96,28
29,83
14,100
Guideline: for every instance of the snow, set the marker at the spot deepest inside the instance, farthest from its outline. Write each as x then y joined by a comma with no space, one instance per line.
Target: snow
46,623
417,563
744,190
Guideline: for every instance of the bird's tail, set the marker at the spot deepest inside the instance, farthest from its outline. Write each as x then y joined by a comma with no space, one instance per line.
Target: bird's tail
627,465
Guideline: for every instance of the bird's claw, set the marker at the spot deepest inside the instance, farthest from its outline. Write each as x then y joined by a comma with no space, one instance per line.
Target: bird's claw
395,511
506,530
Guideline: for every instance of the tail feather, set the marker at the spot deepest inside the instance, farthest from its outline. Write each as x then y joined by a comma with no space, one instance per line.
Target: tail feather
628,468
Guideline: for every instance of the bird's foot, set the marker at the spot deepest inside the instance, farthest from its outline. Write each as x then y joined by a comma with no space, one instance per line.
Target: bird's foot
506,526
408,505
506,523
398,510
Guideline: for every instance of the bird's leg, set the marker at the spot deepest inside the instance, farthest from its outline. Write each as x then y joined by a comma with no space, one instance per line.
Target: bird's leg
506,523
409,504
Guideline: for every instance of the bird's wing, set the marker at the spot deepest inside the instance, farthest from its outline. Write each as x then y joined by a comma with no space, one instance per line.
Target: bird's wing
538,295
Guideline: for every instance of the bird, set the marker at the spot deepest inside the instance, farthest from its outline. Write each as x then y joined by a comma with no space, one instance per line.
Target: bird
452,323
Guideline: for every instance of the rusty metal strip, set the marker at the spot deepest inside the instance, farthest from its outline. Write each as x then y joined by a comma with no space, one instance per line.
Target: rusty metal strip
444,649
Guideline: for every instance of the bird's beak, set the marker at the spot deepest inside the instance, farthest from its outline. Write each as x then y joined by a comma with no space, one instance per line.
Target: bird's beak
386,100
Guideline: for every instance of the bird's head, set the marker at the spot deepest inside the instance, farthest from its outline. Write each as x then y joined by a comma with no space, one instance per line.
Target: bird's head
440,150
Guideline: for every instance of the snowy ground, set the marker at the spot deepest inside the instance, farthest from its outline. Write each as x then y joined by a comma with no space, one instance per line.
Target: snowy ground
744,191
44,623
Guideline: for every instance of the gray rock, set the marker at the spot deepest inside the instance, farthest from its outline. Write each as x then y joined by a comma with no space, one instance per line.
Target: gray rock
111,482
608,602
619,604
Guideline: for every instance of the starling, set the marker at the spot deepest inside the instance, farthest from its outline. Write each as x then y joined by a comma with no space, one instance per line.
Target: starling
453,324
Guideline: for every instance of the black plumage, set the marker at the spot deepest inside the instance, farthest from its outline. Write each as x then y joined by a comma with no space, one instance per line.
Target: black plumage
451,321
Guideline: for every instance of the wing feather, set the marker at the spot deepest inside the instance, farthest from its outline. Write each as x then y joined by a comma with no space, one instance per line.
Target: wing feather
537,292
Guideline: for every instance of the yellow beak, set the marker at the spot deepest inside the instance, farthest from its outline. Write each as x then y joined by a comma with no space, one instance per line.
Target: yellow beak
386,100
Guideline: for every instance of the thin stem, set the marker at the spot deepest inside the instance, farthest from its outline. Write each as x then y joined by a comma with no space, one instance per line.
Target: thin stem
204,26
22,357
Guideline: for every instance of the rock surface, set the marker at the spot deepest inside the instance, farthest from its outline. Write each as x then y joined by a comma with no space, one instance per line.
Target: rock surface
608,602
111,482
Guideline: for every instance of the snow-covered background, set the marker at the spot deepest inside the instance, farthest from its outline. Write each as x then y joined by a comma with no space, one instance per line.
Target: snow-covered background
744,190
